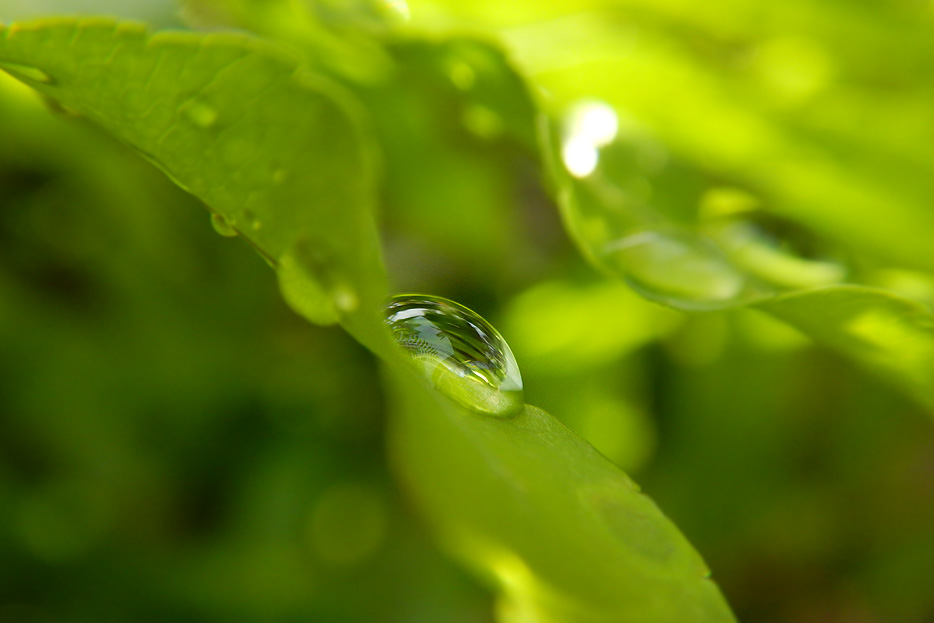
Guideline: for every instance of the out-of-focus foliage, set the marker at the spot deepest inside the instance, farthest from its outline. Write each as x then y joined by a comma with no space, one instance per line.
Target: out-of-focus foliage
176,445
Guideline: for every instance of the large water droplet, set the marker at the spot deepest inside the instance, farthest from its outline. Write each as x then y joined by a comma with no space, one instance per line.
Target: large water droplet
465,357
779,252
26,72
313,284
222,226
678,268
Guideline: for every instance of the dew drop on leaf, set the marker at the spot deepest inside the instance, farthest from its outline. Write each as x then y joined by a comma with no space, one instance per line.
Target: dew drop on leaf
677,268
222,226
26,72
779,252
201,114
460,352
313,284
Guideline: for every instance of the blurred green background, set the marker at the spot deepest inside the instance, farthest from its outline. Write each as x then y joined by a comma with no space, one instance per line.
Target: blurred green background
177,445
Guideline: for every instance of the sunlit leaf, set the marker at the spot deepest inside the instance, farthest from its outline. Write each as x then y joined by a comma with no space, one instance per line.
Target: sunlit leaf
560,532
276,152
887,333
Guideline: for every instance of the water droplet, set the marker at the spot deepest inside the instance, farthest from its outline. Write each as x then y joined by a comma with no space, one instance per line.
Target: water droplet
678,268
313,284
26,72
779,252
201,114
222,225
460,352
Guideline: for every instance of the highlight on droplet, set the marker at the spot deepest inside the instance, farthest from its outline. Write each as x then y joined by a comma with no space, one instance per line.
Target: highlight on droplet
588,126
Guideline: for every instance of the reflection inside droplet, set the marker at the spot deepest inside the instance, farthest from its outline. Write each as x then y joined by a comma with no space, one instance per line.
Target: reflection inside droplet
779,252
677,268
460,352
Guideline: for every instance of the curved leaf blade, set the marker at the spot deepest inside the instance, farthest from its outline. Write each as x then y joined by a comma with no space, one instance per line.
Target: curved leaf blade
274,150
560,531
889,334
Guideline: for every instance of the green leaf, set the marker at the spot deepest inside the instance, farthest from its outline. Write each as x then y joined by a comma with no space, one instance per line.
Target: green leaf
562,533
891,335
277,155
681,267
275,151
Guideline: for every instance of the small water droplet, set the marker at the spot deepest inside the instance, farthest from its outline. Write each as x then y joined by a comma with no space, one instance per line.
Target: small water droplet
678,268
460,352
313,284
222,225
26,72
201,114
779,252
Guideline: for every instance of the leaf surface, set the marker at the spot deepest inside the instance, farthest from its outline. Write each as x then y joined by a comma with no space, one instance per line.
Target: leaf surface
275,151
561,532
889,334
277,154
